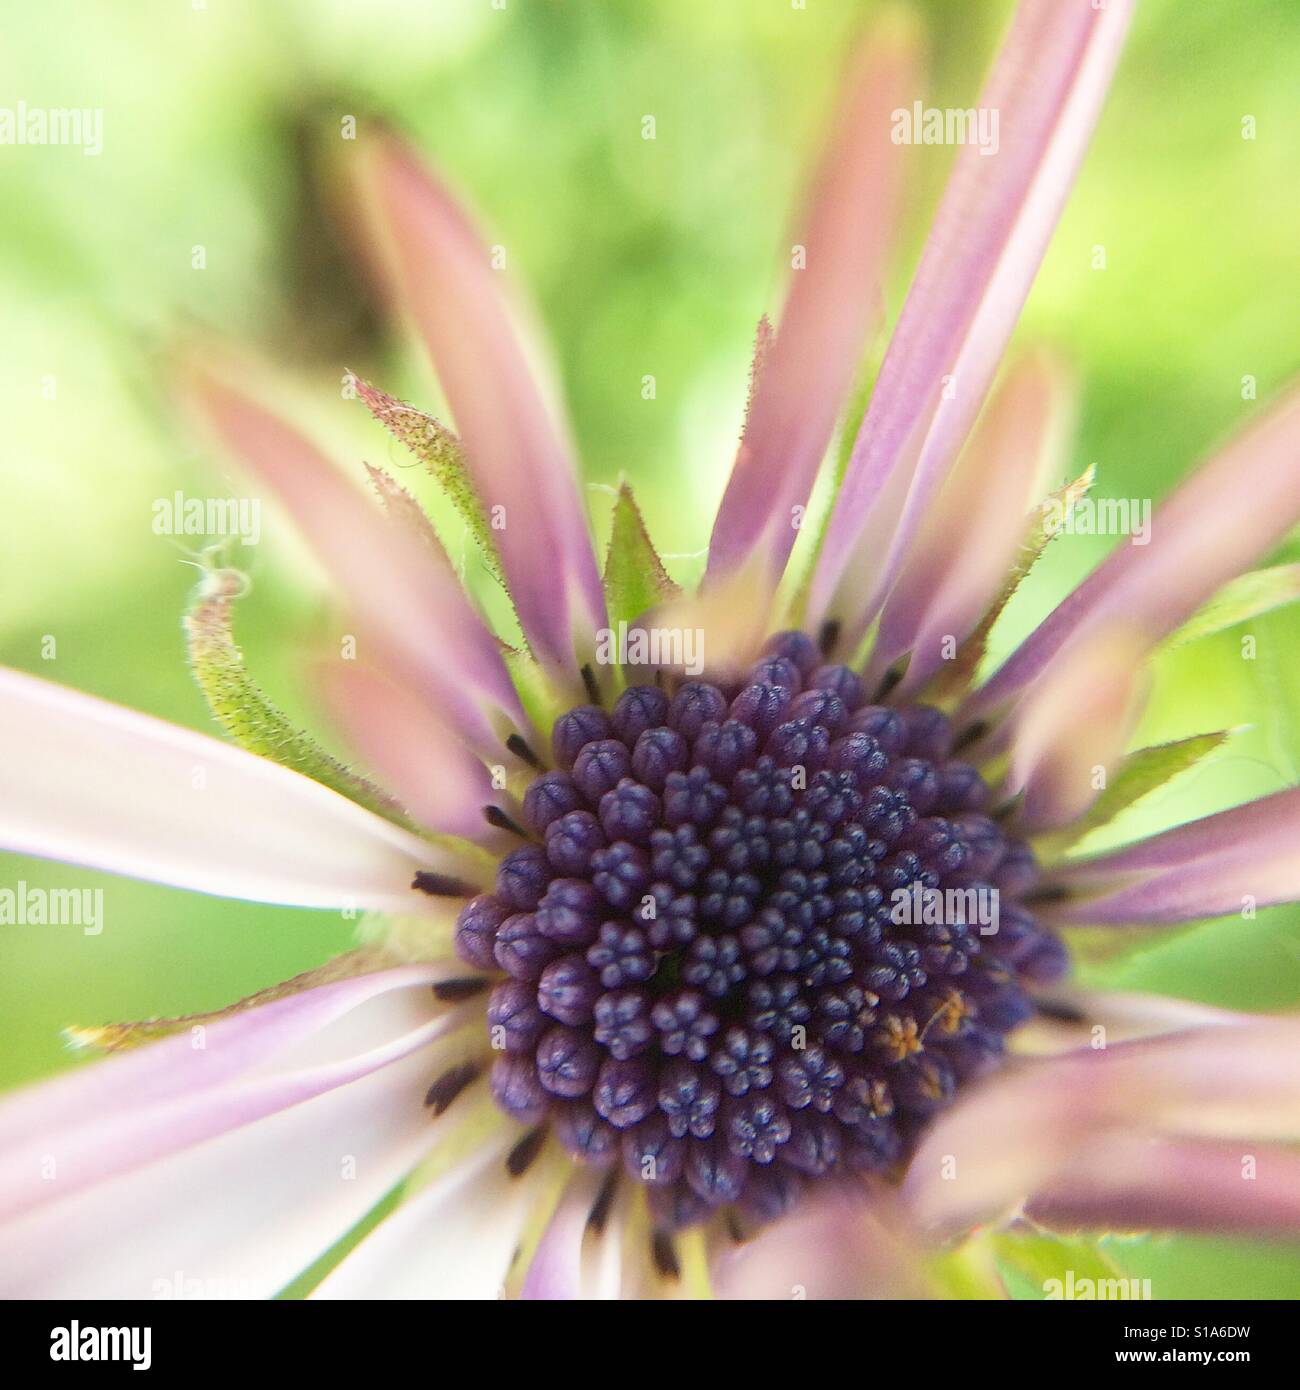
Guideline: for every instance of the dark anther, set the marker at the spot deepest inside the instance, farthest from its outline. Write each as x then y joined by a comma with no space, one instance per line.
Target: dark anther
1060,1011
664,1254
519,747
1046,893
589,684
498,819
891,679
520,1158
441,885
604,1201
449,1085
453,991
970,735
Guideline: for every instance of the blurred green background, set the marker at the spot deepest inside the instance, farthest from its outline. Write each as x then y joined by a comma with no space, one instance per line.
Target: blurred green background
220,119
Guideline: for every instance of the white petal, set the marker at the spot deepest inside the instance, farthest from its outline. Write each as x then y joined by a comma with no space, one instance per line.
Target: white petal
454,1238
238,1216
93,783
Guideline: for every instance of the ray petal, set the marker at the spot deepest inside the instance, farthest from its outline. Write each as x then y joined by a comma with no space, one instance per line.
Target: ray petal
983,252
840,1243
832,304
943,588
438,780
54,1164
92,783
454,1238
1015,1135
1243,858
238,1216
1231,511
443,276
406,592
1130,1182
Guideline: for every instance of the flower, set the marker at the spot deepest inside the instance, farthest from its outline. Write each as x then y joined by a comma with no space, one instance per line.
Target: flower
716,986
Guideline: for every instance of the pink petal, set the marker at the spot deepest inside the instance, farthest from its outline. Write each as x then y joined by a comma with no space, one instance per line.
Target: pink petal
1073,728
556,1269
1233,509
1225,863
1014,1135
944,588
443,276
985,247
1130,1182
53,1164
238,1216
455,1238
92,783
832,305
404,591
435,777
845,1242
1068,1019
172,1067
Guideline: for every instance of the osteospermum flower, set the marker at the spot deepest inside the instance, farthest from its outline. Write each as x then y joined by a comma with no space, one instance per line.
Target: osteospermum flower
675,981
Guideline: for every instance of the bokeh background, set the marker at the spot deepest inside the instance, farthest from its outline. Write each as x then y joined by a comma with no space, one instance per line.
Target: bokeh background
222,123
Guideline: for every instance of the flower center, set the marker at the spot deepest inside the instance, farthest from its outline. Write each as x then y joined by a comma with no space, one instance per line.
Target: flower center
765,932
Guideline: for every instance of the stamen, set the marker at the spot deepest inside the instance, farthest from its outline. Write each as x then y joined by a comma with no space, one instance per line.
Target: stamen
1047,893
498,819
664,1254
450,1084
519,747
971,734
589,684
604,1202
441,885
520,1158
1060,1011
891,679
453,991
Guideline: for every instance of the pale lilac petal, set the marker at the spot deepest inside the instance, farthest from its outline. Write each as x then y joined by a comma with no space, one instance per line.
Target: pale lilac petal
1011,1137
945,586
240,1215
1234,509
211,1055
404,591
455,1238
86,1154
416,756
445,279
1237,860
93,783
847,1242
988,239
556,1269
1130,1182
1073,727
832,305
1070,1018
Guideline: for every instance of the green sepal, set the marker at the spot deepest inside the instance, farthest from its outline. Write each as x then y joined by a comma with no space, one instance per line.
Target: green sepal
635,578
1033,1259
953,681
1245,597
1141,773
443,456
246,714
